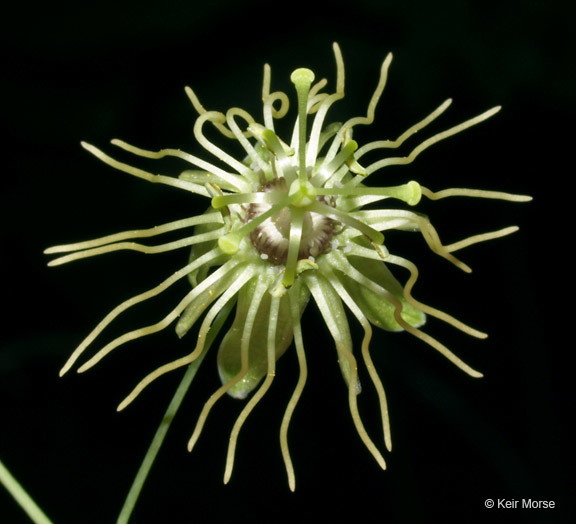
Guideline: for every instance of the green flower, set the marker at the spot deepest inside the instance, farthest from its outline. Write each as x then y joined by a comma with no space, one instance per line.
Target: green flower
292,223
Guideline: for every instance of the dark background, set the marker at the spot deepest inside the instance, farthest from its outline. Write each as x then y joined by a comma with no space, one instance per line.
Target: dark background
97,71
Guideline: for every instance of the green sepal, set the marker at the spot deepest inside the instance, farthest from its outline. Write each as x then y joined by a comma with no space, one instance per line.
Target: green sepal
204,299
196,276
229,354
332,310
377,309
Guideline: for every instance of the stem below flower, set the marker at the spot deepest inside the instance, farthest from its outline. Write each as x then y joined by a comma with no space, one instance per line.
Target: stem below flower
171,411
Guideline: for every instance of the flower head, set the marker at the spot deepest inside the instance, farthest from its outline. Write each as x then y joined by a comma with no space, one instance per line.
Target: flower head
290,224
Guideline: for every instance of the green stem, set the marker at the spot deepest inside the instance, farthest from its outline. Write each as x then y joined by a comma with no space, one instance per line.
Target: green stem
20,495
173,407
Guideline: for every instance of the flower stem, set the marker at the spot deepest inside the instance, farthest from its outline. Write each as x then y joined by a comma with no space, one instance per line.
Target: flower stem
171,411
20,495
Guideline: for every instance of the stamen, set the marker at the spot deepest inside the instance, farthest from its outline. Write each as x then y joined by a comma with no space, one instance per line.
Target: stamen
328,168
345,218
409,192
271,141
335,179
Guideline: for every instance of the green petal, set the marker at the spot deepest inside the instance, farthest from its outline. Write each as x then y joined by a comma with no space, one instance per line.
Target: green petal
229,361
379,311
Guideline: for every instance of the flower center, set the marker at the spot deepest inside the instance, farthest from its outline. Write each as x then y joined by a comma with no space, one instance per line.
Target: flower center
271,237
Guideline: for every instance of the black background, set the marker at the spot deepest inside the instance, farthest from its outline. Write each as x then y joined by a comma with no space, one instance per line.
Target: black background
97,71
